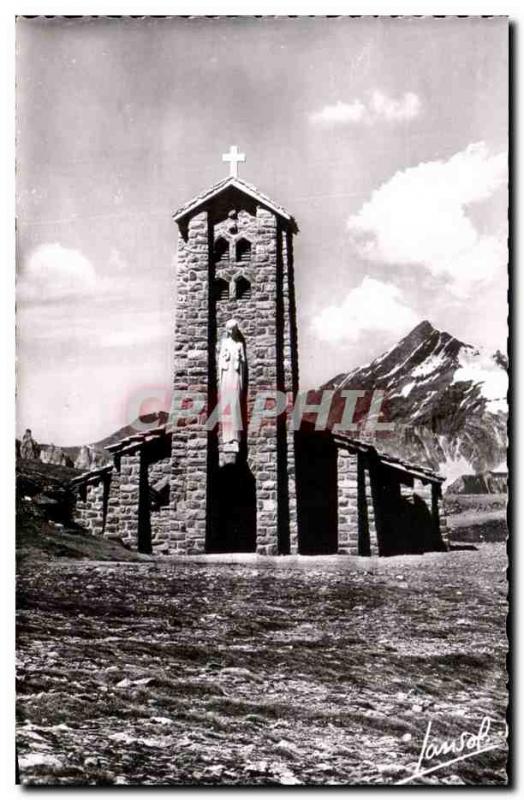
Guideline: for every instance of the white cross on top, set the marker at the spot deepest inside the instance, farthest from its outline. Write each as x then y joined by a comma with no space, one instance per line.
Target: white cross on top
234,157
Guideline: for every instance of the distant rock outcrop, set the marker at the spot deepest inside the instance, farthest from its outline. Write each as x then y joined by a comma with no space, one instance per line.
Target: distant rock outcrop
28,447
83,457
89,458
51,454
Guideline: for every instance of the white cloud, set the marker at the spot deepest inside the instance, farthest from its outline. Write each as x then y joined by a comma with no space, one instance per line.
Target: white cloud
64,303
408,107
372,306
419,217
54,272
341,113
379,107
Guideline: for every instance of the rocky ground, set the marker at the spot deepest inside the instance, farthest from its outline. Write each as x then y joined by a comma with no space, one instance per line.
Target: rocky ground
260,671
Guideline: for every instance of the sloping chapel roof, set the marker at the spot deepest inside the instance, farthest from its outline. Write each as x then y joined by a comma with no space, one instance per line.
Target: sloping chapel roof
130,443
236,183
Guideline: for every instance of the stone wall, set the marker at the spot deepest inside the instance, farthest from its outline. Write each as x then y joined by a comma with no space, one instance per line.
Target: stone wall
112,523
241,227
288,380
162,538
347,484
125,504
235,240
262,445
367,524
121,504
290,468
80,507
129,496
415,521
90,514
189,445
437,506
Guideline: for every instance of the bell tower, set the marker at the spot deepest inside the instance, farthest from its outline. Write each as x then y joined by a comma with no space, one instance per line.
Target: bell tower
235,262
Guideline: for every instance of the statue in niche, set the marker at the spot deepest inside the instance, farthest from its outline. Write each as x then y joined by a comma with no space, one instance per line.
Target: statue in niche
231,384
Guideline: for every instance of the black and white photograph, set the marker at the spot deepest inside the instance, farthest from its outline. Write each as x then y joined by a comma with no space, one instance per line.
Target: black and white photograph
262,271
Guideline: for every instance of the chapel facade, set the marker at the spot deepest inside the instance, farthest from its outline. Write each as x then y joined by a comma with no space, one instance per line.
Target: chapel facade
188,487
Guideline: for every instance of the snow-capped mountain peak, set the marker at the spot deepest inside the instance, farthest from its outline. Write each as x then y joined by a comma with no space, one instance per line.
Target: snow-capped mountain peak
447,398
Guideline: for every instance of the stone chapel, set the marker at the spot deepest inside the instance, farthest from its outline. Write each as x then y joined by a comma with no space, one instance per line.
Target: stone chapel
194,489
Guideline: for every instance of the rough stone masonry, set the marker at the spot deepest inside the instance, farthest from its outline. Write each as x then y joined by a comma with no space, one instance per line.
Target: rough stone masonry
172,490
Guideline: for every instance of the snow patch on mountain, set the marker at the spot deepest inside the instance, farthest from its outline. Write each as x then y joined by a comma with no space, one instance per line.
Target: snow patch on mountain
453,468
428,366
482,369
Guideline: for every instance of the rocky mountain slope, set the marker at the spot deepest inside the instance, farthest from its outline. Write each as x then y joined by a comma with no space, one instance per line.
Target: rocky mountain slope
149,420
446,398
81,458
86,456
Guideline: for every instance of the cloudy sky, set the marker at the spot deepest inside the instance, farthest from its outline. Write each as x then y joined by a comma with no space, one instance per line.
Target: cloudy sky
385,138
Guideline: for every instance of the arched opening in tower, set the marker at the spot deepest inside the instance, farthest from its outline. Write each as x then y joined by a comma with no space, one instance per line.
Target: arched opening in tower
243,288
221,250
220,290
243,250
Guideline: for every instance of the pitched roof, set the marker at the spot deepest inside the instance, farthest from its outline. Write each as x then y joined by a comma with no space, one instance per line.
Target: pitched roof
418,471
126,445
130,443
92,474
236,183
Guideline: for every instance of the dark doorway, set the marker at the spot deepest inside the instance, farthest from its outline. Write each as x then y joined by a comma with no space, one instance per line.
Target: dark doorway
144,510
316,472
404,523
235,518
424,524
364,542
